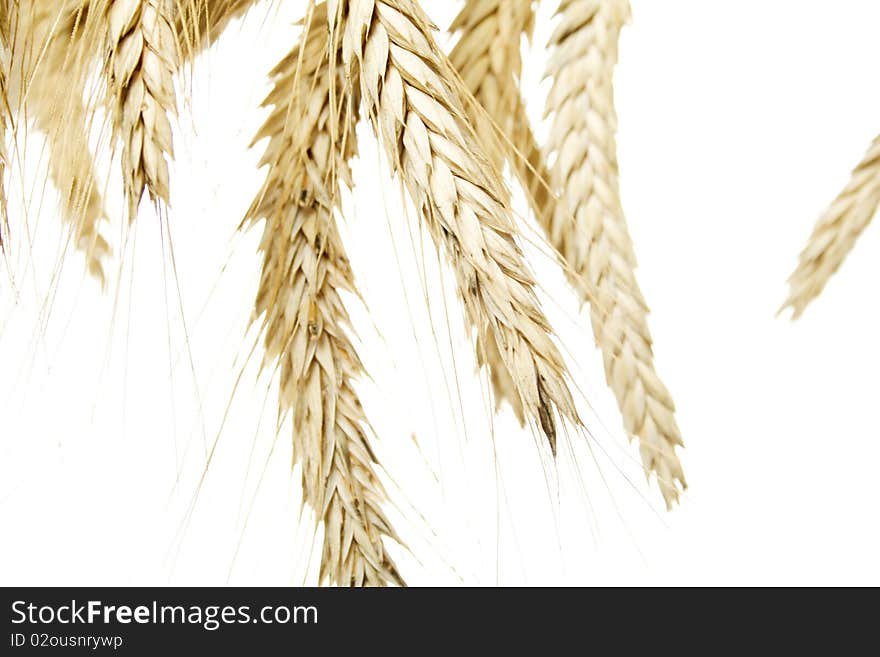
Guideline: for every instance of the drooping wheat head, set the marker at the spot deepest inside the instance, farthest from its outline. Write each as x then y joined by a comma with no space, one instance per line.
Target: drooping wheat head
589,228
49,87
405,82
836,232
311,140
488,57
142,57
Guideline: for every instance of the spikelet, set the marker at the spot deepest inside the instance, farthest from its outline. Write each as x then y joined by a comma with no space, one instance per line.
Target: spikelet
836,232
311,133
589,228
489,59
421,120
142,58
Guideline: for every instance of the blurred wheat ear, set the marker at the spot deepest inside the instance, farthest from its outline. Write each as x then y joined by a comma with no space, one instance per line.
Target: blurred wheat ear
46,81
451,127
836,233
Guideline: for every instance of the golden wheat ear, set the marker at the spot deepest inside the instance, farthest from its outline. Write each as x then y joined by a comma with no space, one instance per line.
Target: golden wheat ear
55,100
590,231
311,140
836,232
141,55
408,89
488,58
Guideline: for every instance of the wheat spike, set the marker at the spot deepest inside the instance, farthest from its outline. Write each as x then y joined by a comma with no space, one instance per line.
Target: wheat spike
311,132
836,232
143,56
55,99
489,59
589,228
417,114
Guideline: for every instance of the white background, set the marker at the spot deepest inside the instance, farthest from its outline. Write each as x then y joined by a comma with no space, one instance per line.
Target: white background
739,122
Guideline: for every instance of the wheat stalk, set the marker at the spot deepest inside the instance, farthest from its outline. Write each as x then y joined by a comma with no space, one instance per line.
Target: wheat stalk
143,56
836,232
55,97
421,120
310,133
489,59
589,227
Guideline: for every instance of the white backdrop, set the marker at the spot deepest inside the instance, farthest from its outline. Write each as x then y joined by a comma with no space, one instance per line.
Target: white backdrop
739,122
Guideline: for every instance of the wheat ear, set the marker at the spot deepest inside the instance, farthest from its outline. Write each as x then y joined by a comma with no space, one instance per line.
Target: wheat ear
836,232
311,132
55,96
421,120
589,228
142,59
488,57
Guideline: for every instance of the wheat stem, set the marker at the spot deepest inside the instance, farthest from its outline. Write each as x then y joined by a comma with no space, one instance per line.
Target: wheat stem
305,268
421,120
836,232
589,228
